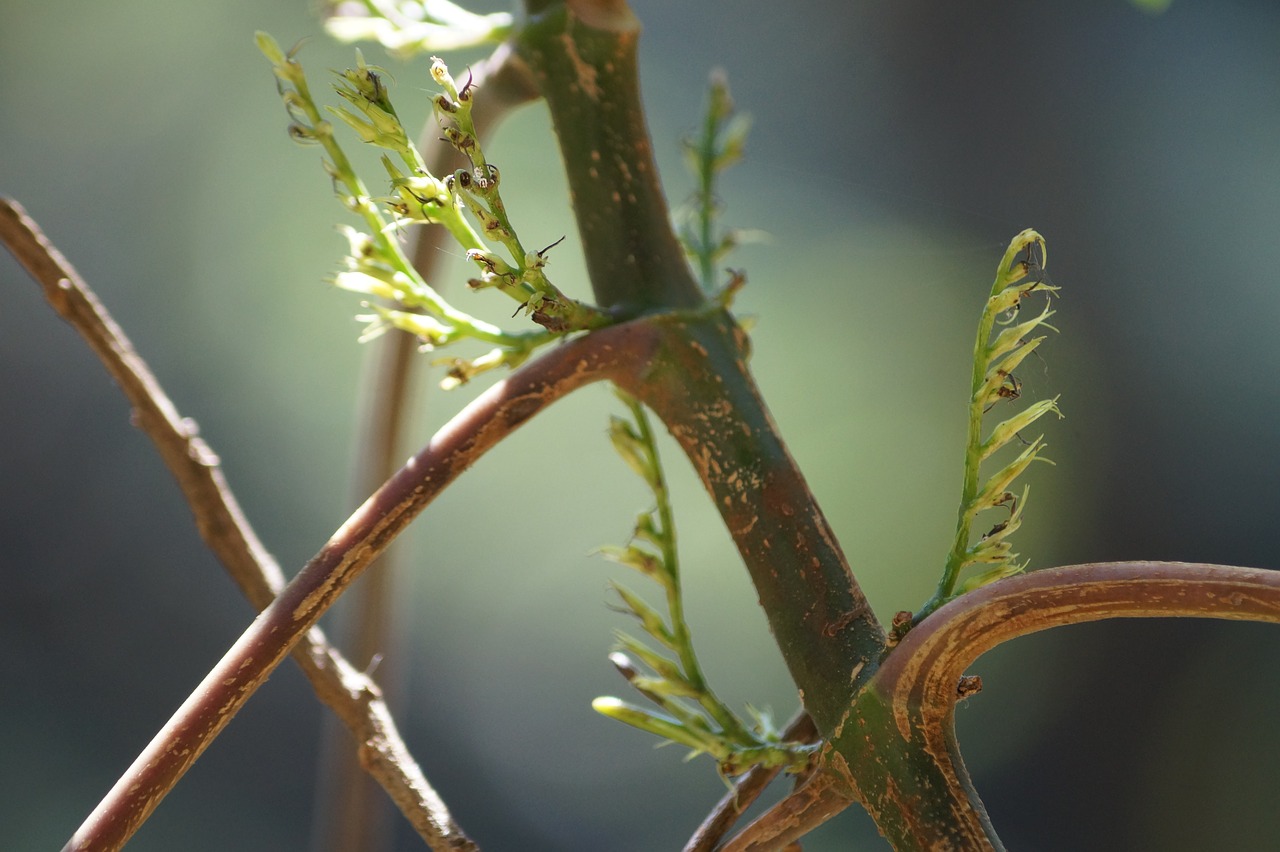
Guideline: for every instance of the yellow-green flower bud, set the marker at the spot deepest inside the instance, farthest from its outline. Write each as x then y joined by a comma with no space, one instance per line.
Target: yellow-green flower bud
440,73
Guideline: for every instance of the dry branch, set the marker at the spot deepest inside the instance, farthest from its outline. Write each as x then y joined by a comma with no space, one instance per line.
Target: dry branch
246,666
354,697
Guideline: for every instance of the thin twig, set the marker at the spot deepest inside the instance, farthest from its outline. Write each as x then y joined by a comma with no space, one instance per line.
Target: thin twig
354,698
350,813
246,666
746,790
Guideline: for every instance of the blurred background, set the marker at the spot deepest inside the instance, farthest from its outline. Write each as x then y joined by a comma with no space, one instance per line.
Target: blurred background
897,147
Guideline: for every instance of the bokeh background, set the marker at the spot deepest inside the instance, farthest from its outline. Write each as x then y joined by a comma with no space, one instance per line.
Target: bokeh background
897,147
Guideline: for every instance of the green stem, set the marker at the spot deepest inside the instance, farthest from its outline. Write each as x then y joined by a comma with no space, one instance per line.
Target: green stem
692,670
972,462
583,55
706,194
590,81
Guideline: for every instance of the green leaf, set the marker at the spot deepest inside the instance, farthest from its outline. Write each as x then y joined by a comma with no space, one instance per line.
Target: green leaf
660,665
653,622
1007,430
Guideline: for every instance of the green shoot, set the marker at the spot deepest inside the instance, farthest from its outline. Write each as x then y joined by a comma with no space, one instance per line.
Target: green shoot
997,353
521,275
690,713
377,266
717,146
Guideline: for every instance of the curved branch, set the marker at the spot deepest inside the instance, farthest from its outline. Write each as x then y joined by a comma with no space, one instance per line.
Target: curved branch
354,697
295,612
821,796
924,669
907,709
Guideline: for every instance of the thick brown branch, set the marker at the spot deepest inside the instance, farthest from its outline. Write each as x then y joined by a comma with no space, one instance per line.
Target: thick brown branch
246,666
700,387
583,55
584,59
353,697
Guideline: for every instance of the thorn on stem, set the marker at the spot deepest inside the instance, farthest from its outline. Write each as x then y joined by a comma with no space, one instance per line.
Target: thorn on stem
543,251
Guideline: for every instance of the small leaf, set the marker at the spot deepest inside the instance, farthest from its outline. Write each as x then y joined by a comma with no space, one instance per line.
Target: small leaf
653,623
660,724
646,563
985,578
632,450
659,664
732,141
1011,338
999,373
270,47
999,483
667,688
1009,270
1007,430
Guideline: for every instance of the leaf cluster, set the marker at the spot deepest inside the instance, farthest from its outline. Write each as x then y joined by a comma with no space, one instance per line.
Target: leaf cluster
376,264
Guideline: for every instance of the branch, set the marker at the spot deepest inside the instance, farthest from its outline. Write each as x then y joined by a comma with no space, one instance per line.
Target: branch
820,797
922,672
246,666
701,388
353,697
584,59
746,790
347,807
903,752
905,765
218,517
583,55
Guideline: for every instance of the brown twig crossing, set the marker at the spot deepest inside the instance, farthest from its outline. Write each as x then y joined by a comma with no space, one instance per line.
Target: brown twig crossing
353,696
294,612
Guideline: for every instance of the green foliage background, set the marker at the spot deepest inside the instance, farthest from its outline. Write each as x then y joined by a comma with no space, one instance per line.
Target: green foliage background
896,149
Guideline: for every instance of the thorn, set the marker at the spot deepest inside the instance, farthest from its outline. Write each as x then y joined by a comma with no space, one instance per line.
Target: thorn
543,252
969,685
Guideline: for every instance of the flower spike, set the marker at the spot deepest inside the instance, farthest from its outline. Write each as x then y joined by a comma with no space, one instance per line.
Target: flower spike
996,355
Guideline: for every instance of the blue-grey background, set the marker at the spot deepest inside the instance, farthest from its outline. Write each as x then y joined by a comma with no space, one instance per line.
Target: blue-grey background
897,147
